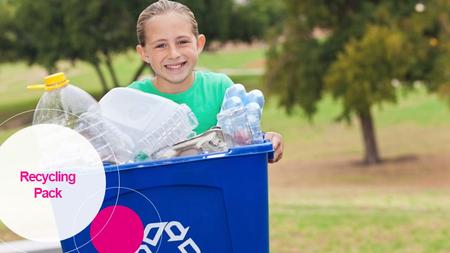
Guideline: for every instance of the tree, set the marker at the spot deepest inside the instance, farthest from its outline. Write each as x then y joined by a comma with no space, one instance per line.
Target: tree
7,31
99,29
365,48
252,19
90,31
41,35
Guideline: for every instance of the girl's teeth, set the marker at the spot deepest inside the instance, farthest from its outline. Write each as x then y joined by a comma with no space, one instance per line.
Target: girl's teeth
174,66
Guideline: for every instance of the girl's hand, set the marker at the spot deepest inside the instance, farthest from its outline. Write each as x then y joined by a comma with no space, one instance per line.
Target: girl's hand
277,142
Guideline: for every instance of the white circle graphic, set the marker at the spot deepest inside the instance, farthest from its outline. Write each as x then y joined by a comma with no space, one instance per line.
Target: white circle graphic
47,179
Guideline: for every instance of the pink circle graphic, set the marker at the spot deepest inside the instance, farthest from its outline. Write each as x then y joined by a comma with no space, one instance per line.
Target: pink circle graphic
117,229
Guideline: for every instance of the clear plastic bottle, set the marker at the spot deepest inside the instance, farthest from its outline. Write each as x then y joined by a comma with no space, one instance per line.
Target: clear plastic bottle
67,105
254,108
253,111
240,116
236,90
231,102
233,121
177,127
256,96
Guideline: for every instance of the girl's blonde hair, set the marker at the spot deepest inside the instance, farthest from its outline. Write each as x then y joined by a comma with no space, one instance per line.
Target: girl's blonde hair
162,7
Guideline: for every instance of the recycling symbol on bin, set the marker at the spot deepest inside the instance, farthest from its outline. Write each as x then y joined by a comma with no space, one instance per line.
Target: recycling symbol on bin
167,227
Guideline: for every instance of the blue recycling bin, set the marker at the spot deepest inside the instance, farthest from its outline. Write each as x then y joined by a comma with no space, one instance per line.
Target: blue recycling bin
219,201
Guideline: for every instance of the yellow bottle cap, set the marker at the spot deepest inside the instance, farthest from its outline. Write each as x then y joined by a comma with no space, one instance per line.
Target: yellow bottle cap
51,82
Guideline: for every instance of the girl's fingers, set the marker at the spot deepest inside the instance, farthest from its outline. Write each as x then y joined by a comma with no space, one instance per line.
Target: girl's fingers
277,142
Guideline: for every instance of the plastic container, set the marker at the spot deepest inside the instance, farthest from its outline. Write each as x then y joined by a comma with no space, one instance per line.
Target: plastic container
134,111
221,199
67,105
153,122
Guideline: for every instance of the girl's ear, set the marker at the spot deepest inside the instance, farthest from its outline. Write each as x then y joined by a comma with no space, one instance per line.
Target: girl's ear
201,40
141,52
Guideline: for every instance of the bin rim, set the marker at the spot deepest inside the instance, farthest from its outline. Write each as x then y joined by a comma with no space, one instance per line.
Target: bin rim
253,149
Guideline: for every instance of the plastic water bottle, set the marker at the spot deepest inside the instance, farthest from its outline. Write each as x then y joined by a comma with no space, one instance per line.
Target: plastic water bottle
240,116
256,96
177,127
231,102
254,112
67,105
236,90
233,122
254,108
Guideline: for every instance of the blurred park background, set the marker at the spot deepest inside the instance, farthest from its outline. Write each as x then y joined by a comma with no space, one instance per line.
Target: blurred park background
360,91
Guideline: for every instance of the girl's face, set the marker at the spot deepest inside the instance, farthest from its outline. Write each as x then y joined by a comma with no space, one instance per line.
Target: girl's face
171,48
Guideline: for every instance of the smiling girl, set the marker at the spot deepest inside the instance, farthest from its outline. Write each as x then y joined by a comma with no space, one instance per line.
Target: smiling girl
170,43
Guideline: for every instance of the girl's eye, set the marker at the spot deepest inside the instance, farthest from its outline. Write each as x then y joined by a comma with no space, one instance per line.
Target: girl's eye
182,42
162,45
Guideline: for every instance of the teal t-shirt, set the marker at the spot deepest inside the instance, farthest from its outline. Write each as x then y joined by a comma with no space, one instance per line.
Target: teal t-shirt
204,97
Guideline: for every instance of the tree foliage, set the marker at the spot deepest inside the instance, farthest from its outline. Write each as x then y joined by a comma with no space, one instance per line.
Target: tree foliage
44,32
360,52
7,28
90,31
254,18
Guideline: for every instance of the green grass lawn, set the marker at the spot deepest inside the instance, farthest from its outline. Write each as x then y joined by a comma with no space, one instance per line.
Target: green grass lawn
347,228
350,210
240,59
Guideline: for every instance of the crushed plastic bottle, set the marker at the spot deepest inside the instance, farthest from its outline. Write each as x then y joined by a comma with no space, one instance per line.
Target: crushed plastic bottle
211,141
176,128
152,122
67,105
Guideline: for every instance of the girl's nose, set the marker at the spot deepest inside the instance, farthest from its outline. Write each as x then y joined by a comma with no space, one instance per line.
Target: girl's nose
173,52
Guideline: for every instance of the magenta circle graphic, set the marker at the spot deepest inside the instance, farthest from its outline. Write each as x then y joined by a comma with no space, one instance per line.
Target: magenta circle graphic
117,229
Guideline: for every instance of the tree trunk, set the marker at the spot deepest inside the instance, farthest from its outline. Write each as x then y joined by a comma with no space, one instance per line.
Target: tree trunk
101,77
111,70
371,155
139,71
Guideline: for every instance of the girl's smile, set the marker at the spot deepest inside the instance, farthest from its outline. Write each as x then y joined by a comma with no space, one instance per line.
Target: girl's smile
176,67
